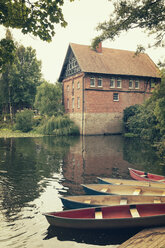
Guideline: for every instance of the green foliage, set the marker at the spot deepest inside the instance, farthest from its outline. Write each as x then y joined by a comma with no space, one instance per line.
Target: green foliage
7,53
148,15
26,76
24,121
158,98
49,99
33,16
19,79
60,125
131,111
143,123
148,120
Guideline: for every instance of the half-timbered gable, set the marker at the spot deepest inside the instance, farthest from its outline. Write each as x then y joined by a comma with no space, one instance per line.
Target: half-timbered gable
71,66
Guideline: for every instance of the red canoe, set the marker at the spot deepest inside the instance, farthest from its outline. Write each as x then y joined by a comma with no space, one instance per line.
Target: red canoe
143,176
123,216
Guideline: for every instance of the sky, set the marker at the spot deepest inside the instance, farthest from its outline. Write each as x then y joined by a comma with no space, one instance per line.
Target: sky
82,17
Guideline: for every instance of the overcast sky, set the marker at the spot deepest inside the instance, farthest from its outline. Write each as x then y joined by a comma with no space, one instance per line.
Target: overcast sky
82,17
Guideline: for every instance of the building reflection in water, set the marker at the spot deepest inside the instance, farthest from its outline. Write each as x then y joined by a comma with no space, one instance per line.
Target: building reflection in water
92,157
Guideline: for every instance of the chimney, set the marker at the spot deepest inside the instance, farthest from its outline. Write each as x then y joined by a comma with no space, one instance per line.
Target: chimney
99,48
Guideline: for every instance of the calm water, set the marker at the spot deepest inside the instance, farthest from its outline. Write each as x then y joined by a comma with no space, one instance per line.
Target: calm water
35,172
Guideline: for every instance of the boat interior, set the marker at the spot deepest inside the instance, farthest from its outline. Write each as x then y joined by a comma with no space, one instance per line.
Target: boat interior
113,212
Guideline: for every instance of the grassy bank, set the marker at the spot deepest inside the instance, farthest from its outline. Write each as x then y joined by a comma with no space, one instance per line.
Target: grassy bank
8,133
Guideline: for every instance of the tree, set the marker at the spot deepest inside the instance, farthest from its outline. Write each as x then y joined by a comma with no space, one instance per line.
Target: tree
148,120
158,98
19,80
33,16
7,56
148,15
26,76
49,99
7,50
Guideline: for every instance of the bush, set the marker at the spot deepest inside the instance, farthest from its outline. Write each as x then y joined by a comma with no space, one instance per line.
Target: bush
128,113
24,121
60,125
142,121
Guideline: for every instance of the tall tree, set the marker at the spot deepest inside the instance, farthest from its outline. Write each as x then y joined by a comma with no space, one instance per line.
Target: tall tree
33,16
26,76
19,80
148,15
158,98
49,99
7,57
7,50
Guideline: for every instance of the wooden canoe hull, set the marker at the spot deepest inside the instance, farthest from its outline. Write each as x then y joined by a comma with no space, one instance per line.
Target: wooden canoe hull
143,176
108,189
113,217
130,182
85,201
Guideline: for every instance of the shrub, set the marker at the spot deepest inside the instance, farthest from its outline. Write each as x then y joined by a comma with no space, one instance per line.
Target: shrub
142,121
24,121
60,125
128,113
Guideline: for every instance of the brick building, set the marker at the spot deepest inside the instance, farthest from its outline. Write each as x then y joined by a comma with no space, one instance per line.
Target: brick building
99,84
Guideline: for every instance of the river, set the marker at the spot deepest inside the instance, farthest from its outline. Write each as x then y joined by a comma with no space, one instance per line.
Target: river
35,172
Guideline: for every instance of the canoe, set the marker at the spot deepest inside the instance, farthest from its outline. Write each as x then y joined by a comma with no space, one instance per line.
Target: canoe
144,176
108,189
129,182
123,216
84,201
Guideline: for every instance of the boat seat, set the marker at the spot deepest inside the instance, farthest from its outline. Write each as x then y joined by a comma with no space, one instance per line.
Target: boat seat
162,180
144,175
104,190
136,191
163,194
157,201
98,213
87,201
134,212
123,202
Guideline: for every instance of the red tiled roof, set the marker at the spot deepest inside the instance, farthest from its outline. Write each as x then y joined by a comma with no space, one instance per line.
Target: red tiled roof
114,61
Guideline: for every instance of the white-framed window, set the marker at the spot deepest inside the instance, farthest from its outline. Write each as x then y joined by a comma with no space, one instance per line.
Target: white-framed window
112,83
136,84
67,87
99,82
67,103
118,83
92,82
78,102
72,103
130,84
115,97
78,85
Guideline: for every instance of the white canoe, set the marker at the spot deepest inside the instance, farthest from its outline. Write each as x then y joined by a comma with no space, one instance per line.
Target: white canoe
130,182
84,201
108,189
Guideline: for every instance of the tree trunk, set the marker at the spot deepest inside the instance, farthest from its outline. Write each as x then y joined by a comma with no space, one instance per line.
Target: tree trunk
10,105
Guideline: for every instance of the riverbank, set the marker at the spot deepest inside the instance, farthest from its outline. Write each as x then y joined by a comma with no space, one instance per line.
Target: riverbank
8,133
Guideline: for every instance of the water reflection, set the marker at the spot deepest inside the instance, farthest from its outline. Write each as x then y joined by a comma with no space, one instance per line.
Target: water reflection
35,172
102,156
96,237
143,156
